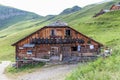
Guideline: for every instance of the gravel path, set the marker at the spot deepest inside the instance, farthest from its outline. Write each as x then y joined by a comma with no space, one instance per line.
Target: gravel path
3,65
49,73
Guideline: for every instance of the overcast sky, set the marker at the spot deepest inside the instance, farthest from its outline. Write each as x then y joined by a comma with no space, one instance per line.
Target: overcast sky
45,7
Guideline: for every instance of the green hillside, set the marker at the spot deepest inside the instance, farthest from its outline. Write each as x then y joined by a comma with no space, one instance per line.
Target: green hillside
105,29
70,10
9,16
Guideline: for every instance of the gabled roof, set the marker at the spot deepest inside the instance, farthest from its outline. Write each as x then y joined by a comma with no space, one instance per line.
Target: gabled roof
87,37
50,26
105,10
27,36
118,5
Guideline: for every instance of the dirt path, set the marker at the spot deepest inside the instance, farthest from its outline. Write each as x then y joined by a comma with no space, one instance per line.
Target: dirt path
3,65
49,73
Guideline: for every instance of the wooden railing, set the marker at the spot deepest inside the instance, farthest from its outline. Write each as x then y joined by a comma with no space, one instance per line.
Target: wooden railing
56,41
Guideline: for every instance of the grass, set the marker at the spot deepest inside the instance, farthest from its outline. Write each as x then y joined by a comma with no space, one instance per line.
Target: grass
13,72
26,68
102,69
105,29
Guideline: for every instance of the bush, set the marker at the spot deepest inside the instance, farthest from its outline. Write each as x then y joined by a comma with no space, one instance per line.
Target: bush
101,69
25,68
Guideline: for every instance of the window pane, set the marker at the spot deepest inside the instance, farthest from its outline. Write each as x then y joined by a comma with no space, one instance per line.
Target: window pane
68,32
52,32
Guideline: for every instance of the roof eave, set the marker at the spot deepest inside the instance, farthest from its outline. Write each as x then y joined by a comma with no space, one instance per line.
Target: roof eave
14,44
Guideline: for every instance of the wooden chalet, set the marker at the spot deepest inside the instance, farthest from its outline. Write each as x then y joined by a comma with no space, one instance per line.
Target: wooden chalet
115,7
56,42
102,11
112,8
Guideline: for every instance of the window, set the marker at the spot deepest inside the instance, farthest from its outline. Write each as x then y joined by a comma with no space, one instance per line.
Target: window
29,52
74,48
52,32
67,32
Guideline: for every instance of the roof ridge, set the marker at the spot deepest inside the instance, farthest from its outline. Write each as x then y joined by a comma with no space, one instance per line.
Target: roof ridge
58,23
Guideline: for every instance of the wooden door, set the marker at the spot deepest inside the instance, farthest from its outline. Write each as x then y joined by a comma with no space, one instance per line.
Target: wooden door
66,51
54,51
54,54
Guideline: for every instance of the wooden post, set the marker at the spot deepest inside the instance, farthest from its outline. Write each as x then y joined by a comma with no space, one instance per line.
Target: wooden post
17,64
35,51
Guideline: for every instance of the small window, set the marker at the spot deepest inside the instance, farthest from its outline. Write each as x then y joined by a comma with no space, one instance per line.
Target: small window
67,32
74,48
52,32
29,52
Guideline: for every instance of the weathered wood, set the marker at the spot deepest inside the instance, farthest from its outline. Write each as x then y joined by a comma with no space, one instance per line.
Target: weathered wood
44,42
115,7
40,59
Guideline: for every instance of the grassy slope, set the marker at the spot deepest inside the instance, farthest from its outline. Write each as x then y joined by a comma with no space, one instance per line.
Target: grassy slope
10,16
105,29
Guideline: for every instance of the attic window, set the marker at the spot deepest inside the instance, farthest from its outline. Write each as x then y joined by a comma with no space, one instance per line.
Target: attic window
67,32
52,32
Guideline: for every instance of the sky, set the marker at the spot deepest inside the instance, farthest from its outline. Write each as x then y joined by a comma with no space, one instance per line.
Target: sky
46,7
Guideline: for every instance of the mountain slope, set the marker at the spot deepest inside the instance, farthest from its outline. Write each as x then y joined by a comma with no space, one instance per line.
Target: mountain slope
9,16
104,28
71,10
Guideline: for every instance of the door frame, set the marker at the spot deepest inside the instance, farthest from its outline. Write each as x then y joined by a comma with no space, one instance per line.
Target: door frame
55,51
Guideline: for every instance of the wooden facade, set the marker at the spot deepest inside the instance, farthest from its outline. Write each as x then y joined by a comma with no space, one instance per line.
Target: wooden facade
112,8
57,43
115,7
101,12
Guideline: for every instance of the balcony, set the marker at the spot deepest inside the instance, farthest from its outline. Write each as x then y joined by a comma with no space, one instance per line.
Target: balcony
56,41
